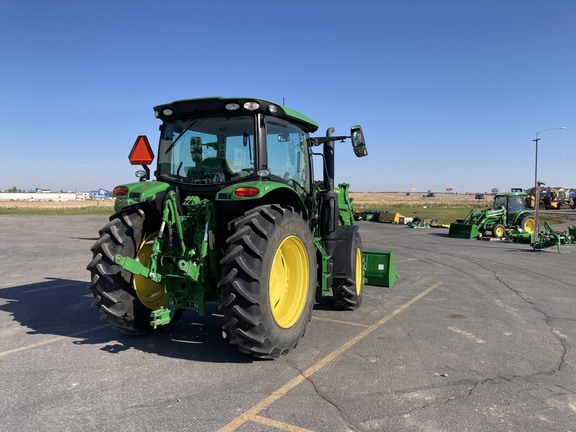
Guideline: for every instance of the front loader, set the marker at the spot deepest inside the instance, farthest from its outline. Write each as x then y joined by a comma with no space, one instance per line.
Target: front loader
509,211
236,217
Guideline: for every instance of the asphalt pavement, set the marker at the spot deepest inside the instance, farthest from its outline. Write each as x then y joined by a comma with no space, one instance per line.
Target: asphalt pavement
473,336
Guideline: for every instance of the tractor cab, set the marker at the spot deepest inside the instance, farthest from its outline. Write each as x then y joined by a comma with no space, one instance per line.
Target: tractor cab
209,144
513,202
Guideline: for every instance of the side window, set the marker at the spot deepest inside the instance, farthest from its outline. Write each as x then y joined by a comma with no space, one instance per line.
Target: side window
288,154
515,204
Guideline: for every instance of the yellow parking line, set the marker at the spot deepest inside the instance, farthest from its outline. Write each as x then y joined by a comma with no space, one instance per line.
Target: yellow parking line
49,341
278,425
252,413
340,322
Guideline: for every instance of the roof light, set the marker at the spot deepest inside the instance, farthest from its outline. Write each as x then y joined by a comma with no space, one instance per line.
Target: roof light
167,112
263,173
273,109
232,106
251,106
156,113
120,191
141,153
246,192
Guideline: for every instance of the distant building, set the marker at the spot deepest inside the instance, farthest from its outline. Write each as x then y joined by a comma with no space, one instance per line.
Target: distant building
100,194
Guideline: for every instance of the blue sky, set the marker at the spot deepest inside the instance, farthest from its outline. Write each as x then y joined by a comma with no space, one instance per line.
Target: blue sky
450,93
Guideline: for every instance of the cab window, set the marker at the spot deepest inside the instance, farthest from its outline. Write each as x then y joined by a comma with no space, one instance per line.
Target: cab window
207,150
288,154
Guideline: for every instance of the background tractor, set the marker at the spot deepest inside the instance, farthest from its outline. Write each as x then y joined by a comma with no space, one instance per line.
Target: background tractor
509,211
234,216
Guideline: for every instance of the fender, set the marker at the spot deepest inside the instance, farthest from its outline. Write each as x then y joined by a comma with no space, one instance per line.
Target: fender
133,193
339,246
265,191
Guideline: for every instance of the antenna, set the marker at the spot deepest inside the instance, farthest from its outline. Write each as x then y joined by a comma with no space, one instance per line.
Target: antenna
283,101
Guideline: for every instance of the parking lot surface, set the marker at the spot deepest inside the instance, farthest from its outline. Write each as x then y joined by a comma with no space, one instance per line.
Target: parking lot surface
473,336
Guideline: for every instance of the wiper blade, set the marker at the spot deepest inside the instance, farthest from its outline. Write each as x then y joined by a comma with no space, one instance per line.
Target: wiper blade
188,126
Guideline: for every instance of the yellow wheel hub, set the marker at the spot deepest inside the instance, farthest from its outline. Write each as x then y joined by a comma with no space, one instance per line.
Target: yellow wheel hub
150,293
289,282
359,270
499,231
529,225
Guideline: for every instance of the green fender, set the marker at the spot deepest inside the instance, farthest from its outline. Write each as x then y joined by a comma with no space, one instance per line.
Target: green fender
138,192
265,191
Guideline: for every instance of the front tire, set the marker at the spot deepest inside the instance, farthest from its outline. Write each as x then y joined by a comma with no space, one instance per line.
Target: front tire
116,292
348,292
269,281
498,230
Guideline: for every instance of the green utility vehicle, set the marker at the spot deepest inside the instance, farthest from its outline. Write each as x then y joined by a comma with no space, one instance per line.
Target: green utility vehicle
234,216
509,210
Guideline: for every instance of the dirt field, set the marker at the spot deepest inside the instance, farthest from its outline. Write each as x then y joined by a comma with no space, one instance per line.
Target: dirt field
56,204
366,200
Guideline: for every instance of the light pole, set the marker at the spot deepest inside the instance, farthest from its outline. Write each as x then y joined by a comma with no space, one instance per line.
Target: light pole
536,185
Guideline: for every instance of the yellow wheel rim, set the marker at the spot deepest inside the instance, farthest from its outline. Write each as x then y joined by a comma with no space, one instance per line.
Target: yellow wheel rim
289,282
150,293
359,270
499,232
529,225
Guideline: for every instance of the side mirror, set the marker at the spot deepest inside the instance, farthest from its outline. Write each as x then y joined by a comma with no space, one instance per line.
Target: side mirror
358,143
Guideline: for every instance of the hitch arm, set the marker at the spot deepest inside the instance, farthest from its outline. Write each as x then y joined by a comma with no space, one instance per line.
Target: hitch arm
135,267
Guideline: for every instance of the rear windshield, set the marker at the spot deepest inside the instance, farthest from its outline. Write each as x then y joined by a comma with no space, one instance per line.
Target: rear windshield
207,150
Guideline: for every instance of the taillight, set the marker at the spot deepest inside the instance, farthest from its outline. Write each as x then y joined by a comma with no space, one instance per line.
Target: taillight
120,191
246,192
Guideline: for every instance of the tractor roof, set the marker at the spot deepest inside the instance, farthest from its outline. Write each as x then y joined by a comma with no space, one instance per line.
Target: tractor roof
215,106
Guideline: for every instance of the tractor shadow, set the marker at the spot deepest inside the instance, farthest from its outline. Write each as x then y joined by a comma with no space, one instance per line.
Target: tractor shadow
62,307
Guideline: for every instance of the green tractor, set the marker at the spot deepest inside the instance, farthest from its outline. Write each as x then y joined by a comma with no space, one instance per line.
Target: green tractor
234,216
509,211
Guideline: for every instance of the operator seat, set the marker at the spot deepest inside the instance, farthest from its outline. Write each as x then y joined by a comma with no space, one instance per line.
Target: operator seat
216,164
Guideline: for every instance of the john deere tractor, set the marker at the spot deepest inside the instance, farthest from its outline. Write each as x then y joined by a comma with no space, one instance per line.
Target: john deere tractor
234,216
509,211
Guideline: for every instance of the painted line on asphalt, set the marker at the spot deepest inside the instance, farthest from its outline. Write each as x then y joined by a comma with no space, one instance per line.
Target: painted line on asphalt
49,341
340,322
253,412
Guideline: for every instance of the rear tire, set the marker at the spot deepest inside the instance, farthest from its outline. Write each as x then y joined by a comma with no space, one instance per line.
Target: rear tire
112,287
527,223
269,281
348,292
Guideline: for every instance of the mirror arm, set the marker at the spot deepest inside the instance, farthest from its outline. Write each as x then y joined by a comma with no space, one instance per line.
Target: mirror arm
322,140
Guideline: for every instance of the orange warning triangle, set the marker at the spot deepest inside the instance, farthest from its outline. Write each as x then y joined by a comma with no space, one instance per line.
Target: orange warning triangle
141,153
